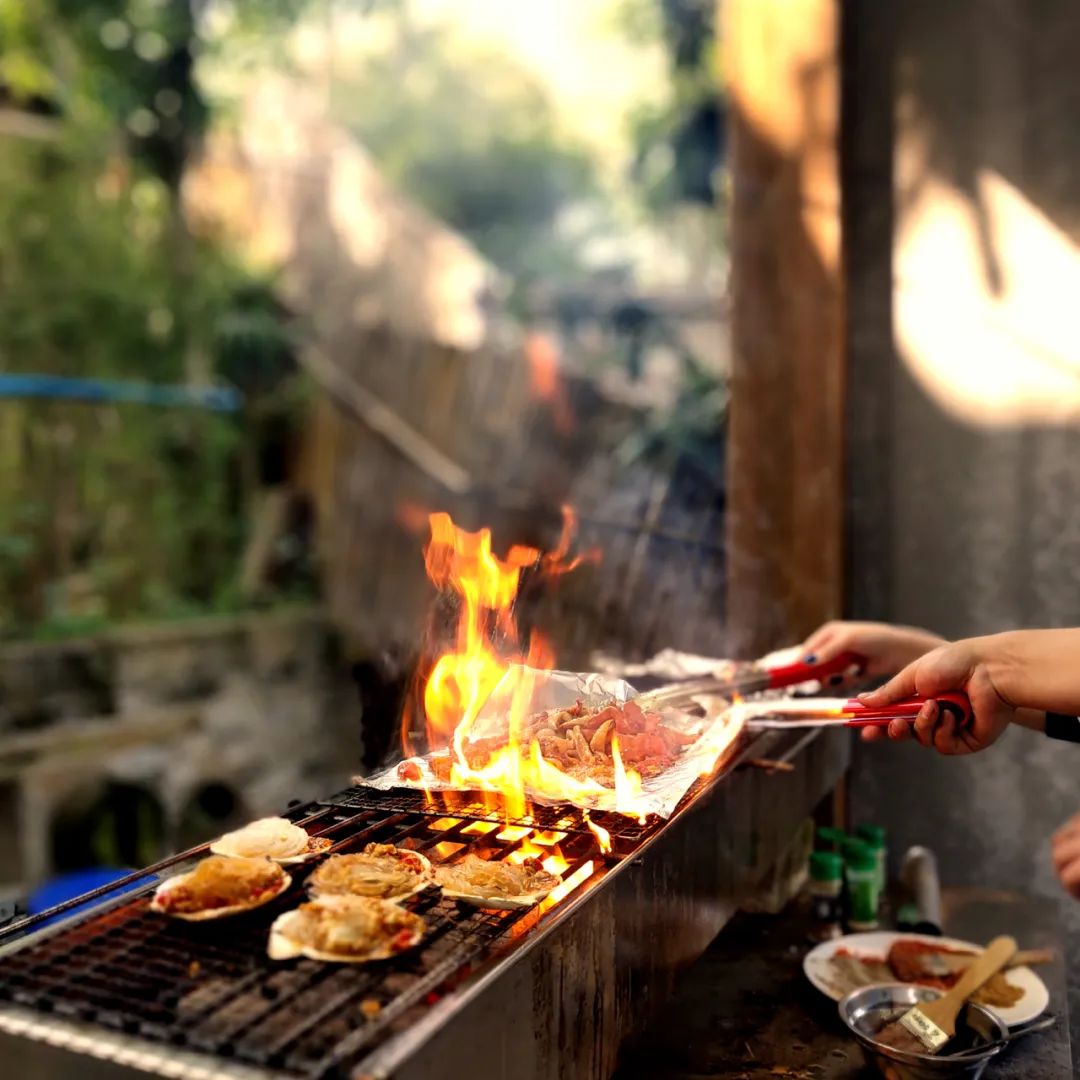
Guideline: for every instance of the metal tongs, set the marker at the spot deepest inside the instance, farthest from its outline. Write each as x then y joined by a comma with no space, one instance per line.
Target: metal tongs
753,679
806,712
838,712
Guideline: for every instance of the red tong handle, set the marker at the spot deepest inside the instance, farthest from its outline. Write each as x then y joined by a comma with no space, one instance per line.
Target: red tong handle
793,674
955,703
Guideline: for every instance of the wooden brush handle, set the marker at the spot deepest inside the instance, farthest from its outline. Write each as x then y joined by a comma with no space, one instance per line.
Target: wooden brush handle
993,958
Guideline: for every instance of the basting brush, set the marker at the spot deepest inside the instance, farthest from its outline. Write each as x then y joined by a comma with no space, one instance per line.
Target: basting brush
928,1027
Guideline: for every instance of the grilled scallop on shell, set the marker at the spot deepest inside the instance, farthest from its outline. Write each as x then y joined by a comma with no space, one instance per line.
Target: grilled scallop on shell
381,871
345,929
274,838
219,887
491,884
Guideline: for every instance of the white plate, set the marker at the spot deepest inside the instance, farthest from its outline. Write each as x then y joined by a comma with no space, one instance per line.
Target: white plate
819,970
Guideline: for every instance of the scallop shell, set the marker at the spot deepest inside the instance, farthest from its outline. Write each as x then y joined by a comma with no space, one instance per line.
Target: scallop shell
211,913
282,946
275,838
495,903
424,881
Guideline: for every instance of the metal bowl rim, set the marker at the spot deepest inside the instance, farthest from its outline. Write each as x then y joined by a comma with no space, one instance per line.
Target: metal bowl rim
972,1058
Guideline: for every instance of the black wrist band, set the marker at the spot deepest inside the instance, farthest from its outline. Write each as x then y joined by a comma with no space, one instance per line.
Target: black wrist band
1060,726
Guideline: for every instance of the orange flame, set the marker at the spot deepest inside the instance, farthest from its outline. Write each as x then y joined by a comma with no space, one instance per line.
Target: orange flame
603,837
544,382
473,674
411,516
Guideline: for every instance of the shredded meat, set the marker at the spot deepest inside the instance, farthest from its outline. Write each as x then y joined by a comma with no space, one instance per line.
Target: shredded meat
483,877
355,926
381,870
220,881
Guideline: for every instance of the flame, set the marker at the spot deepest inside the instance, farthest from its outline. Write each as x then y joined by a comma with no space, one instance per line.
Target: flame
513,832
552,861
445,849
603,837
488,669
411,516
544,383
481,827
627,781
581,874
548,839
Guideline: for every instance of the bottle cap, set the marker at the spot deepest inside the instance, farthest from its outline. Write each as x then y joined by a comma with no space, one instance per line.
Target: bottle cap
826,866
831,839
871,835
857,856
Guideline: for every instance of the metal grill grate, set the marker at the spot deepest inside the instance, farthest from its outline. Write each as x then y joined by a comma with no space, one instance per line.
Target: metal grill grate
209,987
563,818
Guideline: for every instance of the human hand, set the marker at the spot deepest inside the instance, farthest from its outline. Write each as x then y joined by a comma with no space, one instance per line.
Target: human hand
961,666
886,649
1065,849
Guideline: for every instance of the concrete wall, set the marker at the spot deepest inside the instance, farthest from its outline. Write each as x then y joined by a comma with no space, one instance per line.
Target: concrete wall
963,161
204,723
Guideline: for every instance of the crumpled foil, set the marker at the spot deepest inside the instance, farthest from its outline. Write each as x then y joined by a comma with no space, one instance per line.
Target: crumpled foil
561,689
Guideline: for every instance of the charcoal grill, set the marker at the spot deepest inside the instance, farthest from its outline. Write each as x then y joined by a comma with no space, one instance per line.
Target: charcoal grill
548,992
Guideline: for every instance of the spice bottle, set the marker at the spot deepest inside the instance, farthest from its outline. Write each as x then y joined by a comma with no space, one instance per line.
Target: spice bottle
861,874
873,836
831,838
824,889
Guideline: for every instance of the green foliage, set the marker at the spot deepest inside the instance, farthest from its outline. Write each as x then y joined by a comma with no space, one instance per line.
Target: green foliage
680,135
472,137
114,512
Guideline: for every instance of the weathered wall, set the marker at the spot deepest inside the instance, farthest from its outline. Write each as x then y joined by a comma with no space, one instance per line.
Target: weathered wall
206,722
964,474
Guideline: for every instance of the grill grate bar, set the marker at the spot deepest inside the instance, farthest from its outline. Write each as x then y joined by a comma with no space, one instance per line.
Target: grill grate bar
562,818
210,988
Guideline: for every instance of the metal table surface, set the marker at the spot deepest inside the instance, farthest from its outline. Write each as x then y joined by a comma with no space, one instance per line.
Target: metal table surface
745,1011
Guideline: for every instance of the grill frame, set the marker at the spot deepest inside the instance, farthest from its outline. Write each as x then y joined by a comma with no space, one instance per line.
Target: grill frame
103,979
598,954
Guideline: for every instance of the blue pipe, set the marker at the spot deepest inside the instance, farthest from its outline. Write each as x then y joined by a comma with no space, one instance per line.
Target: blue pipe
214,398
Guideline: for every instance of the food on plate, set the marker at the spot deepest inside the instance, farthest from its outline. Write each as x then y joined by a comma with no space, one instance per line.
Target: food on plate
912,960
380,870
273,838
220,886
347,929
582,742
488,883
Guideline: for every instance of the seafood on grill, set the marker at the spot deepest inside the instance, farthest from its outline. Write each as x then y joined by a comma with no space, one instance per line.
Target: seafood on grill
345,929
583,742
273,838
490,884
220,886
381,871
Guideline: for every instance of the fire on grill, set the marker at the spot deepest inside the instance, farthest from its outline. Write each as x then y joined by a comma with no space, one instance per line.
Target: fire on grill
519,826
497,719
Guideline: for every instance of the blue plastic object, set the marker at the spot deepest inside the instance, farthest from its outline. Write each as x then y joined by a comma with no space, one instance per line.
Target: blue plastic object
214,398
69,886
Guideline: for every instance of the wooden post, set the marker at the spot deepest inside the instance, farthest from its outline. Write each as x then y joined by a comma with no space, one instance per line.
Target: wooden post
785,462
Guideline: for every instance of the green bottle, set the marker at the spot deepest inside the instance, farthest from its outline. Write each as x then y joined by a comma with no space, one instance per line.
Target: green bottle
861,875
825,887
873,836
831,839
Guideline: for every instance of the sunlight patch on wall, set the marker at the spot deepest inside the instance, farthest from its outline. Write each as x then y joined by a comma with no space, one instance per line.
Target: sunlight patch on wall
987,296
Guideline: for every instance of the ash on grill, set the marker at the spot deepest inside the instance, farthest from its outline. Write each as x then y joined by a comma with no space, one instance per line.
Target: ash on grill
210,987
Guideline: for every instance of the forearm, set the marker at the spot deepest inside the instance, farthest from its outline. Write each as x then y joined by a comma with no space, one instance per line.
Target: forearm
1035,719
1035,669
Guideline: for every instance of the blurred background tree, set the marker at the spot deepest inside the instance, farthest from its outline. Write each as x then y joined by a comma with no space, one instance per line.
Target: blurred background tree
108,512
470,134
680,135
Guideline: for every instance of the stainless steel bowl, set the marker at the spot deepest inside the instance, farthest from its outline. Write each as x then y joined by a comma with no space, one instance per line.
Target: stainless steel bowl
866,1011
